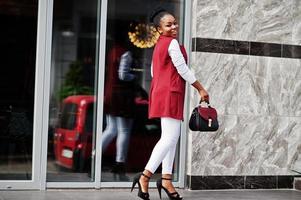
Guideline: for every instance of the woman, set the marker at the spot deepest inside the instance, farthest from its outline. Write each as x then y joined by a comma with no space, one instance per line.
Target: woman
169,72
119,98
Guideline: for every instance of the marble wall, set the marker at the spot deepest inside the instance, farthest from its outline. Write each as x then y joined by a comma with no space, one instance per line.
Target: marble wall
258,98
276,21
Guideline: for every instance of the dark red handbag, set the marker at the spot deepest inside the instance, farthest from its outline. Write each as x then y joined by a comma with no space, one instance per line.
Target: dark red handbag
203,118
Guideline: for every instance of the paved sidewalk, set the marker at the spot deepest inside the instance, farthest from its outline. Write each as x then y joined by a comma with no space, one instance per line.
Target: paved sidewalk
124,194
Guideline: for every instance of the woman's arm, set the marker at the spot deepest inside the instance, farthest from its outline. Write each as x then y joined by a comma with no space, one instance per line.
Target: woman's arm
203,93
182,68
179,62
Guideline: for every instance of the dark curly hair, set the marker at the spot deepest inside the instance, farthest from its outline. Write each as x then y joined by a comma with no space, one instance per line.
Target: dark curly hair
157,15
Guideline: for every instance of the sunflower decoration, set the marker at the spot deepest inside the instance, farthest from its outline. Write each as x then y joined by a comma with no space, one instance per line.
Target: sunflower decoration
143,35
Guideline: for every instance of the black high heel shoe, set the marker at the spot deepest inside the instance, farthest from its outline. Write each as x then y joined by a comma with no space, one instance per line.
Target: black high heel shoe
172,195
142,195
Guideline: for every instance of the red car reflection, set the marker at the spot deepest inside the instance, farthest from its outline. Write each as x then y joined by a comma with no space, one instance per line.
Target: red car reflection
73,135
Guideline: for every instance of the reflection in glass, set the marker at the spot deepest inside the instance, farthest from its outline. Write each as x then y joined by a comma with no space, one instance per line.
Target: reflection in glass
73,90
129,136
18,34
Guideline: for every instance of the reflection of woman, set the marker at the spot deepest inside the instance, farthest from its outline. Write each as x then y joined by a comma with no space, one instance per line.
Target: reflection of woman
118,101
169,71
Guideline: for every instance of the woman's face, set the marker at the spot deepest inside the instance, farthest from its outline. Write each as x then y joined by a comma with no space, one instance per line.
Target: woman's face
168,26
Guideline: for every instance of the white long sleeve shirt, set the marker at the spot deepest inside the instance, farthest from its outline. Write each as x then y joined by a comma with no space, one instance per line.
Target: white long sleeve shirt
178,60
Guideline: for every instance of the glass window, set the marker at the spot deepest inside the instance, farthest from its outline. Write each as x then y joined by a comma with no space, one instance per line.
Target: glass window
18,35
73,90
129,136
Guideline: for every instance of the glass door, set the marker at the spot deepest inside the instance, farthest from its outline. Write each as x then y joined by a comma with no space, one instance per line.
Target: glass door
21,55
128,136
84,34
73,93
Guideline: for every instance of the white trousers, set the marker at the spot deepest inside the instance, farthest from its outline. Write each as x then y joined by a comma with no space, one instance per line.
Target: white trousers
120,127
165,149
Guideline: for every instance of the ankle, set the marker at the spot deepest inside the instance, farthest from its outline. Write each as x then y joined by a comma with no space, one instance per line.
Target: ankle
147,174
144,179
167,183
166,177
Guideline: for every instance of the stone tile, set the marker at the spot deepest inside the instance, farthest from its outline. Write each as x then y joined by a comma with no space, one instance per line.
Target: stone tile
213,19
262,182
272,21
216,182
297,184
285,182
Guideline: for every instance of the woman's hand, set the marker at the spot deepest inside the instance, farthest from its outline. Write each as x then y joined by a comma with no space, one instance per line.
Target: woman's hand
204,95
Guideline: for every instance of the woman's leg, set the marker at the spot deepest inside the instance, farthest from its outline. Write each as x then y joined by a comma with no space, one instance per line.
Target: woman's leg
167,167
165,147
169,138
124,126
167,163
109,133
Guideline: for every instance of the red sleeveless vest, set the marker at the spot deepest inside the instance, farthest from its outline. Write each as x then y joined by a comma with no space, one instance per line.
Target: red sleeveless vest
167,89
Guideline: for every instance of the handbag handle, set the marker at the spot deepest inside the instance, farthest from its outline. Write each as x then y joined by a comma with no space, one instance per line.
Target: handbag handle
207,102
